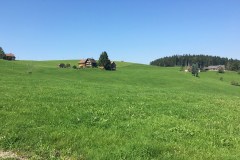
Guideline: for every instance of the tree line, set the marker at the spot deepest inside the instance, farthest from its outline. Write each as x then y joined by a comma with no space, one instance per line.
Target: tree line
201,60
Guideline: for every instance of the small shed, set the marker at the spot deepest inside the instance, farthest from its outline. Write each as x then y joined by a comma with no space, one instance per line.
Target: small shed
10,57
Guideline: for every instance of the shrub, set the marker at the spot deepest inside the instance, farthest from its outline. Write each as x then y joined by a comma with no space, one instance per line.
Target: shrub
74,67
235,83
62,65
68,65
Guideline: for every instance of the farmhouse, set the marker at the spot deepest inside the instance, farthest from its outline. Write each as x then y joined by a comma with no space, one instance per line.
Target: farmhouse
10,57
89,62
215,68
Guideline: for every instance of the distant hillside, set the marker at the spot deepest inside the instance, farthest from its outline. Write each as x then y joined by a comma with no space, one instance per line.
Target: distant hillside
202,60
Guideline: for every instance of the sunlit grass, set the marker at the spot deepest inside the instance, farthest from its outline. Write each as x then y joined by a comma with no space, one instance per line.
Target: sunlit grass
136,112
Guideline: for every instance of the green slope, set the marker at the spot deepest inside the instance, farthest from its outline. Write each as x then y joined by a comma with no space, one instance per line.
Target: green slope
136,112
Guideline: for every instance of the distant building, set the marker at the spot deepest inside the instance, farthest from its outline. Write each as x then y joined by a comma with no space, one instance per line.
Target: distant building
89,62
82,63
10,57
214,68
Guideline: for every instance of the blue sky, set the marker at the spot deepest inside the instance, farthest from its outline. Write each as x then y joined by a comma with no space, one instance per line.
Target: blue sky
129,30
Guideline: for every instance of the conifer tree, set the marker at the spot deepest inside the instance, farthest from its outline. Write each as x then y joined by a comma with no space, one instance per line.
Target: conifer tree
104,61
195,69
2,53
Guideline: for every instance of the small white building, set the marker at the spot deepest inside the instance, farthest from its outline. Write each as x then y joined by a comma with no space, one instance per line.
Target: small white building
215,68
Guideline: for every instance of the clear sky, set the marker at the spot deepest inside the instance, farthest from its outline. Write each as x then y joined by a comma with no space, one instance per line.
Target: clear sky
129,30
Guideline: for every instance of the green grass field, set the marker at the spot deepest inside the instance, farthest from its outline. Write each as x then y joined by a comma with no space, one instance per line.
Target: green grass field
137,112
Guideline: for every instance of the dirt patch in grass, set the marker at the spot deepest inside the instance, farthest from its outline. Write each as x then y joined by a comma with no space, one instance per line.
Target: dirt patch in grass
10,155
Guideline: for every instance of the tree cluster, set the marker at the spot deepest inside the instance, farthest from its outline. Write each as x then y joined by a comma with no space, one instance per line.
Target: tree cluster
201,60
104,61
63,65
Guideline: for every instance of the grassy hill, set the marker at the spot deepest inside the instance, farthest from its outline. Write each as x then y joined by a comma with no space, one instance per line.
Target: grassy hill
136,112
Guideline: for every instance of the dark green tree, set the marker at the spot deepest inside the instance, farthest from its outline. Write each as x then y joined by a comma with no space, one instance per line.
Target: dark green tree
2,53
68,65
104,61
74,67
195,69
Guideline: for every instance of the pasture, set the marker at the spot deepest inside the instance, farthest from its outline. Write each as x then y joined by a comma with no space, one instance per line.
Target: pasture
137,112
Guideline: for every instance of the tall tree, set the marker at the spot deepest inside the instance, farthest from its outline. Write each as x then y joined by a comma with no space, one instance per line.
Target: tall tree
104,61
195,69
2,53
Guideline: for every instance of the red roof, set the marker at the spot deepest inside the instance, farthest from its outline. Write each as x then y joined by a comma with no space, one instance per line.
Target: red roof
10,55
82,61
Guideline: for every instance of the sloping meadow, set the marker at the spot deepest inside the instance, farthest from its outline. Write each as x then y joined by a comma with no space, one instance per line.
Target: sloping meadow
136,112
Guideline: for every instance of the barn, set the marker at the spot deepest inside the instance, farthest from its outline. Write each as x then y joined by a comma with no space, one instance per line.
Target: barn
89,62
10,57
